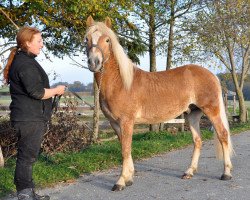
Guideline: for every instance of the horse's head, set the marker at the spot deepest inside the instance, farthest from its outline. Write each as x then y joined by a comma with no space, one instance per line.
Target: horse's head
98,44
102,45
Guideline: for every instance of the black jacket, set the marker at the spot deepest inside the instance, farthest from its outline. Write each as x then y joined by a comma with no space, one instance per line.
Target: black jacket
27,83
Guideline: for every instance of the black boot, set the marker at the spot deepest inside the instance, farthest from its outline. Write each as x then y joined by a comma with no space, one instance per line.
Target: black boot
41,197
29,194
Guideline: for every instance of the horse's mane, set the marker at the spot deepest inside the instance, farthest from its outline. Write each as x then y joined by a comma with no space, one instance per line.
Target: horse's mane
126,66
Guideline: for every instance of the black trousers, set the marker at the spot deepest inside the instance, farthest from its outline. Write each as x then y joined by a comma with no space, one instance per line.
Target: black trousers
30,136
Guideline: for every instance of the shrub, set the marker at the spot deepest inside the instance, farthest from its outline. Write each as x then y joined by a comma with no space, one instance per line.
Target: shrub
65,133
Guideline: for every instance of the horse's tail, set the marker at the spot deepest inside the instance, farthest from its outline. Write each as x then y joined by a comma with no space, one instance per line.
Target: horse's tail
223,116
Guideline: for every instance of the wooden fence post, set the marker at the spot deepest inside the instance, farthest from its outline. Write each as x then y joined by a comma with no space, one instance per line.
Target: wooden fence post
234,104
182,124
1,158
226,102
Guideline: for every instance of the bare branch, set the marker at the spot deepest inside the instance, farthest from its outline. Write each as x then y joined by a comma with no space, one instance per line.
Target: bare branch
6,44
78,64
218,55
9,18
4,51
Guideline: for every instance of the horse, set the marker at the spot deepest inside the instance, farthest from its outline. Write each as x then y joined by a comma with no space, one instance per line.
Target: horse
129,95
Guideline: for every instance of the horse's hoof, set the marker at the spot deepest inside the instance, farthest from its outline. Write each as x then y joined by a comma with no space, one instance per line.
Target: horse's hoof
226,177
186,176
118,187
129,183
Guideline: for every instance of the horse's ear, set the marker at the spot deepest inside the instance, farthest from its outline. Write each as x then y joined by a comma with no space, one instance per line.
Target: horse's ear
108,22
90,21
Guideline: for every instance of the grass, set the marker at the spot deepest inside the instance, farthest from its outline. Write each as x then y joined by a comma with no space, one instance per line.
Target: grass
50,170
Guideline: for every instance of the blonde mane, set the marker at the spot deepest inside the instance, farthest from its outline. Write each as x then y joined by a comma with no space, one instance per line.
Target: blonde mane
126,66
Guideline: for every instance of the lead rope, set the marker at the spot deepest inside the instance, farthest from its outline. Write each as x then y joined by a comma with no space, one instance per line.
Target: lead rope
94,134
100,83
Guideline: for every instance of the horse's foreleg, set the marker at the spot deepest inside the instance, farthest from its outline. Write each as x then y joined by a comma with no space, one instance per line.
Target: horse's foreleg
126,177
194,120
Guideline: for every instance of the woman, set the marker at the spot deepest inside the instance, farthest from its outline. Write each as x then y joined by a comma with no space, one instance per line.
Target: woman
31,106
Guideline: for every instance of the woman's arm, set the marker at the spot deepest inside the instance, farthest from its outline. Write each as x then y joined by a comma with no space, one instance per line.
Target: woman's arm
58,90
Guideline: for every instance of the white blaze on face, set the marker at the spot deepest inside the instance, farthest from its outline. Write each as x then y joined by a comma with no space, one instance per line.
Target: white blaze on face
95,55
95,37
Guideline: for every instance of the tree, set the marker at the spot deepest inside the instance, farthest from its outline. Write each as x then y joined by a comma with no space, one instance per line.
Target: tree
177,9
222,30
151,15
63,23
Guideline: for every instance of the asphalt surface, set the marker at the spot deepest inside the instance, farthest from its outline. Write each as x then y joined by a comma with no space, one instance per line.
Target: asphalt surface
159,178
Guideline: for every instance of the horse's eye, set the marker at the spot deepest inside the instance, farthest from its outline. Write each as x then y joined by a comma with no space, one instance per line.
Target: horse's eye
86,40
107,40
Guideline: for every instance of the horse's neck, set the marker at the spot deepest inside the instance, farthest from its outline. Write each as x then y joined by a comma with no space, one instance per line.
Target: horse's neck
109,78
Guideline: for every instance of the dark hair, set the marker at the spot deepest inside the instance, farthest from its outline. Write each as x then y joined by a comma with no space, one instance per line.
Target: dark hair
24,35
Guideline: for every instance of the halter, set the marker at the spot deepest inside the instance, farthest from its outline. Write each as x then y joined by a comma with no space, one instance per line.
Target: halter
100,49
102,68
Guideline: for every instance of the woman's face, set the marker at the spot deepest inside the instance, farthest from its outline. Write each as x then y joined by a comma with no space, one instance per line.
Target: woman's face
36,44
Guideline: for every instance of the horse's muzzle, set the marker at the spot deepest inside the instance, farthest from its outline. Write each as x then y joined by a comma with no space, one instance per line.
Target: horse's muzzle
94,64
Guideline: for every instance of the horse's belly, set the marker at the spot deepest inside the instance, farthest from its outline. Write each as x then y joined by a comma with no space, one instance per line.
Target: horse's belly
157,116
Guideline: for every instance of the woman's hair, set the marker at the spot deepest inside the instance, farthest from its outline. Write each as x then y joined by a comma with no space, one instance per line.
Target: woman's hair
24,35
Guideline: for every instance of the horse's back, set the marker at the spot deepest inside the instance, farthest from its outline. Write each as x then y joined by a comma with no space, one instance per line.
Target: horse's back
188,71
184,78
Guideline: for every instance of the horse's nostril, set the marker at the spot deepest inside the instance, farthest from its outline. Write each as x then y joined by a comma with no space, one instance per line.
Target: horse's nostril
97,62
89,61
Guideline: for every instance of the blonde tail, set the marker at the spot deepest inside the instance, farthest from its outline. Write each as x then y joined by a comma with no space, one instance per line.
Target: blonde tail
219,150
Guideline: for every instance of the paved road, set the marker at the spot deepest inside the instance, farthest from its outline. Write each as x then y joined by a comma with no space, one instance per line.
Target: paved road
159,178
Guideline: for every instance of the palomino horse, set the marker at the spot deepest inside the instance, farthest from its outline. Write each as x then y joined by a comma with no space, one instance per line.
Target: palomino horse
129,95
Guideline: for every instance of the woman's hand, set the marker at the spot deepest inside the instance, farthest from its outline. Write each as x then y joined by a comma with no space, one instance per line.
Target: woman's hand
58,90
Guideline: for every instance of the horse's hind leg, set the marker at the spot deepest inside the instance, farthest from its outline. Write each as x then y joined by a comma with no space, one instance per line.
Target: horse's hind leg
224,147
194,123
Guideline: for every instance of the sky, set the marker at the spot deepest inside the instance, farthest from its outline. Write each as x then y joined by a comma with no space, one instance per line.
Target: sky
68,72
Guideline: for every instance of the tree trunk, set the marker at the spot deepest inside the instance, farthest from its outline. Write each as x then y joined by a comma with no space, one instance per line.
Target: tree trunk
152,52
171,36
96,113
239,92
1,158
152,47
242,107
